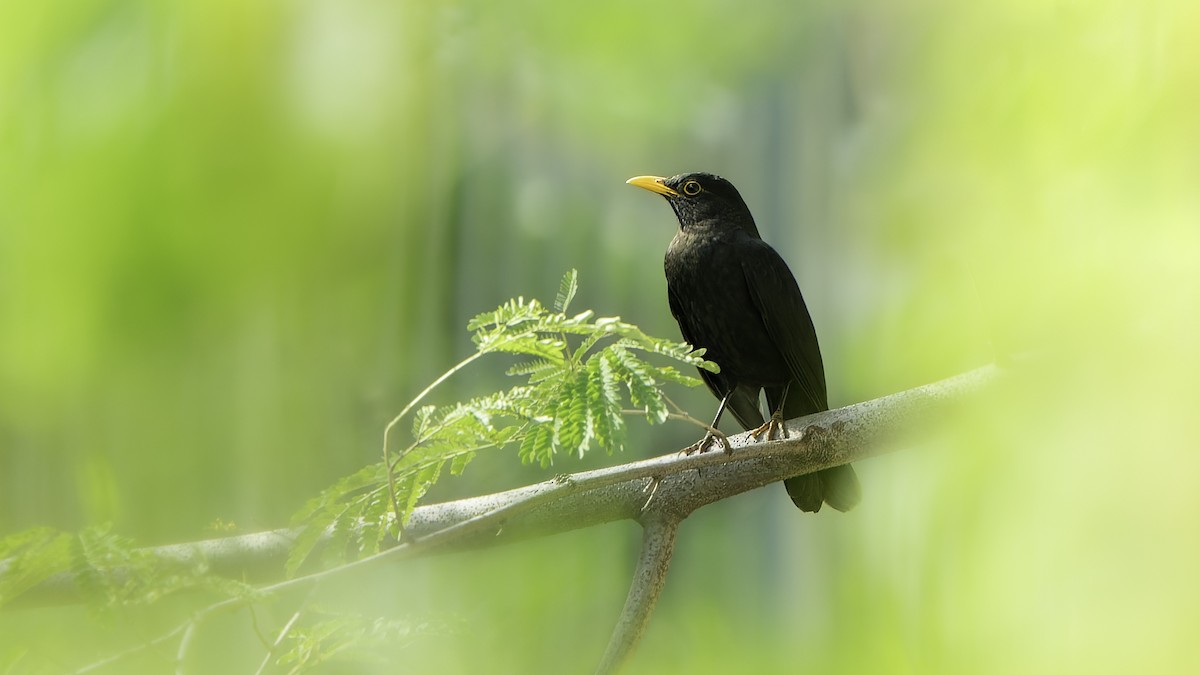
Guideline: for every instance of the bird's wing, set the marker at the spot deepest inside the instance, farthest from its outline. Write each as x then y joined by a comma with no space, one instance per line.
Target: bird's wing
744,401
785,316
714,382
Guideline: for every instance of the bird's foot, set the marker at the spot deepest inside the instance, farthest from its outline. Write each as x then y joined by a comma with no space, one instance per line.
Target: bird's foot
772,425
705,444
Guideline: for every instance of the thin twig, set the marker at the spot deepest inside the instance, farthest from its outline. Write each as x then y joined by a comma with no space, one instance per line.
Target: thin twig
396,420
287,628
133,650
684,417
652,488
262,638
184,643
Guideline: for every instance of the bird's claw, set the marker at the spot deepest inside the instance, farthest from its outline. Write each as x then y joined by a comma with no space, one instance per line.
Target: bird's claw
705,444
769,428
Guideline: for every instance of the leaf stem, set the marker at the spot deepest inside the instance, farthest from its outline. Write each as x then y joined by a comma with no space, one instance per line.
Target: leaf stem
684,417
287,628
387,458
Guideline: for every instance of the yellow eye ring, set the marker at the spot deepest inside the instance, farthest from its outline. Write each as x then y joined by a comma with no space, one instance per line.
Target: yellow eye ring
691,188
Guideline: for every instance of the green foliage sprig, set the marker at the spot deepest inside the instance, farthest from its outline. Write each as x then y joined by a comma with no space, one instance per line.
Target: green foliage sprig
110,570
577,372
350,638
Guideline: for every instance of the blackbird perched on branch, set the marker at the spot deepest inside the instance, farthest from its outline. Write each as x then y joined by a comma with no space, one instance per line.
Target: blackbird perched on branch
735,296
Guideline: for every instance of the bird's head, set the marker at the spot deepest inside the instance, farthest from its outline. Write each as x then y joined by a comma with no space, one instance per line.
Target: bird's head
701,200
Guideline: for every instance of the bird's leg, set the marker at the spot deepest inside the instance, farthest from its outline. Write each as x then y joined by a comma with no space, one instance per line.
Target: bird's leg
704,444
776,422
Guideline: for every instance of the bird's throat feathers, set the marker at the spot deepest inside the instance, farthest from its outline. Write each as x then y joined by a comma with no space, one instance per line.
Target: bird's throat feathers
715,225
712,214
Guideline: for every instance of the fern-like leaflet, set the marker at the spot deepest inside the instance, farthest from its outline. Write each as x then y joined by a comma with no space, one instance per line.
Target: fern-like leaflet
577,369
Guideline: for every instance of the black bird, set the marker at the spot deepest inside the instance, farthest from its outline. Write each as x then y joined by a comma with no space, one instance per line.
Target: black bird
735,296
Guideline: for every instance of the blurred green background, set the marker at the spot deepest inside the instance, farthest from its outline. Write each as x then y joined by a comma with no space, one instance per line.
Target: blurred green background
236,237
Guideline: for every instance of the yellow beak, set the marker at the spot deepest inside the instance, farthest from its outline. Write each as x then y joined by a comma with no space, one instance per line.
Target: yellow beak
653,184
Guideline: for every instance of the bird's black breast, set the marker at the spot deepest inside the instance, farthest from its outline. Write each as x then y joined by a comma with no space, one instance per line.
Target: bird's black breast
711,300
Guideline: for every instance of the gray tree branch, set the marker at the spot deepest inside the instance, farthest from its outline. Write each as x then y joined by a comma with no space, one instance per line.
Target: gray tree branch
649,578
589,498
658,493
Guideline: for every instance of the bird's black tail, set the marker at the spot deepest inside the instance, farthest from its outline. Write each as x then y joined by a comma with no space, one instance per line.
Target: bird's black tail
837,487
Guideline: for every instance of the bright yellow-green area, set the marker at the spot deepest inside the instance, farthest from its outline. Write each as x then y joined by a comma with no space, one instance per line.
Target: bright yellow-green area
236,237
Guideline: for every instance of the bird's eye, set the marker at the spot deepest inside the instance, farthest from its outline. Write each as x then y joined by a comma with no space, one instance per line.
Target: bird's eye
691,188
